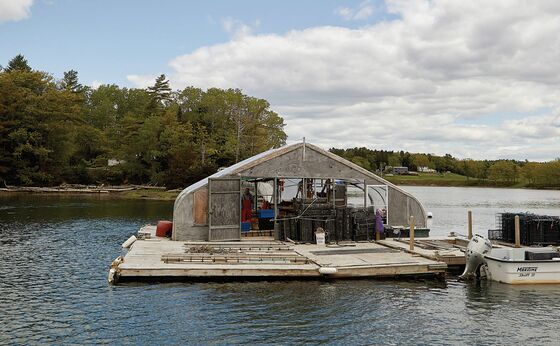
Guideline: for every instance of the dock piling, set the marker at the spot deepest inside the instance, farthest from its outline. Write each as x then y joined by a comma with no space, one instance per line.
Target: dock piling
411,241
517,232
470,224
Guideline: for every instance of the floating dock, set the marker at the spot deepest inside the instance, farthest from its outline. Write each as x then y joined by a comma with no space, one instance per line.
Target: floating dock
449,250
157,258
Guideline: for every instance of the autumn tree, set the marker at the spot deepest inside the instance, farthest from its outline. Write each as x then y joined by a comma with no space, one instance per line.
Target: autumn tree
505,171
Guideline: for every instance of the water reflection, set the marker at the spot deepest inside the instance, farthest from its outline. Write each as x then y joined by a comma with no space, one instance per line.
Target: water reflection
520,312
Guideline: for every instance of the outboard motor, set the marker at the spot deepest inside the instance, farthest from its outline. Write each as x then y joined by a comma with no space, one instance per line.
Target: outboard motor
477,248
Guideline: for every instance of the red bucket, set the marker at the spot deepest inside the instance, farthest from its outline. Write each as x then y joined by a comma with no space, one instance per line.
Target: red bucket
164,228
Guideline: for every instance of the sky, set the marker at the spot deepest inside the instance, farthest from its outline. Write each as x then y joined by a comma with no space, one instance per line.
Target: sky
475,79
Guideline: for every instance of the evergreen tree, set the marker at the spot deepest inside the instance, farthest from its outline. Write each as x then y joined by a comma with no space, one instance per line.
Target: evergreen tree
18,63
70,81
160,91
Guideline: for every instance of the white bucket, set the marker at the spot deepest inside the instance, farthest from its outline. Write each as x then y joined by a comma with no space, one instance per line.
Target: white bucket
320,237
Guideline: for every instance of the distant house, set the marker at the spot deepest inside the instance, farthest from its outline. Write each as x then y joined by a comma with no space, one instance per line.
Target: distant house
114,162
425,169
400,170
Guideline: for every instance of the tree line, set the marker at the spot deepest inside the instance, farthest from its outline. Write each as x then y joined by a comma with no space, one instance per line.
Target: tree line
55,131
501,172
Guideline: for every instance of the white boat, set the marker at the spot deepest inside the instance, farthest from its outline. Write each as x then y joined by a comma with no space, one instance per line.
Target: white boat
525,265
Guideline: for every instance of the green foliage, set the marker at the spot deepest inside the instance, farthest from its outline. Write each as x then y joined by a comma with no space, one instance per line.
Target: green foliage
70,81
160,94
37,125
504,170
60,131
18,63
421,160
539,174
461,172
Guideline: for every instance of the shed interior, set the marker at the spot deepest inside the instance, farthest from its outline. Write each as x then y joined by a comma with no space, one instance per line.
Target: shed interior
295,208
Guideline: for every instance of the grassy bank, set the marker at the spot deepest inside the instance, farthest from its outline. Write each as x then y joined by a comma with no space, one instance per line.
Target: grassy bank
121,193
163,195
446,179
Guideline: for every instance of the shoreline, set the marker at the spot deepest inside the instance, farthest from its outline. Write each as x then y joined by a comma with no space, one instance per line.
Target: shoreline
163,194
465,183
122,192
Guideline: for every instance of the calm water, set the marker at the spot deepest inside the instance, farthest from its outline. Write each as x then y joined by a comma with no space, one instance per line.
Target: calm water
449,205
55,252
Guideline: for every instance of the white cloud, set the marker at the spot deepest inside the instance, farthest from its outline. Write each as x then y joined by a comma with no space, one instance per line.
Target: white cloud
475,79
238,29
96,84
363,11
142,81
14,10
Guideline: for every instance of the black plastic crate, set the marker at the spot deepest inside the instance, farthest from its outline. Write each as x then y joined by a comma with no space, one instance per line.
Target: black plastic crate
534,229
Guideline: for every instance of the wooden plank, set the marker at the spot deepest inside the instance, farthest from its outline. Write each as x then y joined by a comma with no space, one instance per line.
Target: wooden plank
229,271
431,250
386,271
200,207
224,227
224,209
235,258
239,246
237,254
188,256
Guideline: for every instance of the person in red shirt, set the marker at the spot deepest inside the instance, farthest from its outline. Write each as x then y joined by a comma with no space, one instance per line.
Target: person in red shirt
246,205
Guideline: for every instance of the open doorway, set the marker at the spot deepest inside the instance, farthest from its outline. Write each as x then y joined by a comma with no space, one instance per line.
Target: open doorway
293,209
257,208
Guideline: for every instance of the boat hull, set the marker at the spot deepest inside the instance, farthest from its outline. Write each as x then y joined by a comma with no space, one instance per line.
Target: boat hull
523,272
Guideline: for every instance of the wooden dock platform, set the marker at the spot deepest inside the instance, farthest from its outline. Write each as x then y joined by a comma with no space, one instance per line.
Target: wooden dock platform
451,251
368,260
161,258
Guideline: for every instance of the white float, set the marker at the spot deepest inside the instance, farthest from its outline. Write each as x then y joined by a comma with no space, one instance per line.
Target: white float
327,270
129,242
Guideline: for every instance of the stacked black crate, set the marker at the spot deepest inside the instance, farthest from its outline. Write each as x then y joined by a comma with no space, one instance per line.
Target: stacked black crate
363,221
533,229
312,215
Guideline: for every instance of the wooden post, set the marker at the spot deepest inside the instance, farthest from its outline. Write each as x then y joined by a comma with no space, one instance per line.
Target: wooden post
256,196
275,201
365,195
470,224
411,241
517,232
333,185
365,212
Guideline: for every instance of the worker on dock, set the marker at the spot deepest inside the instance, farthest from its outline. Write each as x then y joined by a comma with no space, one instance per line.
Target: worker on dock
379,229
246,205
